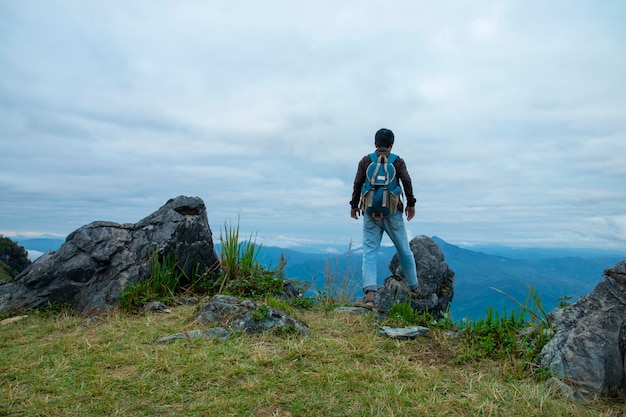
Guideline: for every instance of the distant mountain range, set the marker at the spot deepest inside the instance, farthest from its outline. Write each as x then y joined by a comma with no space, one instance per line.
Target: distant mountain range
551,273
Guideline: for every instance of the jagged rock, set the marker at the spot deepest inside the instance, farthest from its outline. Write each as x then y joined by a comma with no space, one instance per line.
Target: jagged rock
99,260
247,316
435,281
586,354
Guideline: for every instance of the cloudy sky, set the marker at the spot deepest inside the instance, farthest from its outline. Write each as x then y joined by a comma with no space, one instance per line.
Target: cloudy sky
511,115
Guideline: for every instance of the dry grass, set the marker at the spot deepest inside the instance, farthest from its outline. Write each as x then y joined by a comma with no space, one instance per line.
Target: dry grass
58,366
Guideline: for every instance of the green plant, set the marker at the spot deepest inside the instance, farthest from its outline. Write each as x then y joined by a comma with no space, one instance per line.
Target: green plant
510,335
403,313
563,301
161,285
493,336
57,309
532,306
260,313
242,274
279,304
305,303
238,258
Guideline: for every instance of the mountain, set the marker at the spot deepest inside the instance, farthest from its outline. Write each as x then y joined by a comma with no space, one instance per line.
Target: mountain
551,273
551,278
40,244
477,274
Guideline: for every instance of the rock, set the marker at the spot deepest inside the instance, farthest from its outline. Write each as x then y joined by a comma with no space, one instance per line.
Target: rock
99,260
156,307
12,320
352,310
403,333
586,354
435,281
187,301
247,316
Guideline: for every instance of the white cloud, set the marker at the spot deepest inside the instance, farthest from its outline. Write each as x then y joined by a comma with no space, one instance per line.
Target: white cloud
509,115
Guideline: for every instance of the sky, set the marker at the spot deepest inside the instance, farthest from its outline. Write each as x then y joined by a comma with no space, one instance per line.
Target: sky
510,115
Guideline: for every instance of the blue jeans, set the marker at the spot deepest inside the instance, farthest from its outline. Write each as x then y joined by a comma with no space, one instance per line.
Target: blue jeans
372,236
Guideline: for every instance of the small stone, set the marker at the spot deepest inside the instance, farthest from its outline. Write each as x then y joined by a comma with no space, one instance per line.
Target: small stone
403,333
12,320
157,307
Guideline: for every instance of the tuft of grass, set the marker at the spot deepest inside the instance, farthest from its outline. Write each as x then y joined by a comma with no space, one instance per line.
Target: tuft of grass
532,306
238,258
242,273
58,366
162,284
510,335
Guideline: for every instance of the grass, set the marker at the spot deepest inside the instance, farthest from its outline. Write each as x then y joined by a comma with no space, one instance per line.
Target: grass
56,365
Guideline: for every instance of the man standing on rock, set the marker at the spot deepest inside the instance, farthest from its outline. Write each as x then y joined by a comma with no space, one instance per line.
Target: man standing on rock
375,223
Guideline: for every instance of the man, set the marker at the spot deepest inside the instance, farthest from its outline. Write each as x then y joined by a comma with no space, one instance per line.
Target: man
393,225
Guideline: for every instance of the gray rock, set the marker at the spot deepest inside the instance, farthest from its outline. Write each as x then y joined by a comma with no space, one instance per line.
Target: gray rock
403,333
352,310
435,281
156,307
247,316
586,354
99,260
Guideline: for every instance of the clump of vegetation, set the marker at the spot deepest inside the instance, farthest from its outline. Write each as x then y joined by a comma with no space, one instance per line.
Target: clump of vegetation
13,259
519,334
162,284
242,273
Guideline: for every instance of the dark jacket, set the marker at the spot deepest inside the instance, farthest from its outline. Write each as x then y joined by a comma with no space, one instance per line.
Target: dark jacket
401,172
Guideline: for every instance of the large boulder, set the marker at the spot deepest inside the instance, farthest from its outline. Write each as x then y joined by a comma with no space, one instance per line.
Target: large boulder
586,354
435,281
99,260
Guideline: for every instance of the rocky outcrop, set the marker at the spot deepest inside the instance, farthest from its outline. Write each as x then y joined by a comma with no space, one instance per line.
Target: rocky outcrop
435,281
99,260
247,316
586,354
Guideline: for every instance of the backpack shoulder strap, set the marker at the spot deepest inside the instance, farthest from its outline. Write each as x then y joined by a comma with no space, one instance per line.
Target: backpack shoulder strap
392,158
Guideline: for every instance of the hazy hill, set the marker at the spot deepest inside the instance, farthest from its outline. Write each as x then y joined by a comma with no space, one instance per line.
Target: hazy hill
476,274
553,273
553,278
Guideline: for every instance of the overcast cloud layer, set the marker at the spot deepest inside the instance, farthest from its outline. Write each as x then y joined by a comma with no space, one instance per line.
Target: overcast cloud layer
511,115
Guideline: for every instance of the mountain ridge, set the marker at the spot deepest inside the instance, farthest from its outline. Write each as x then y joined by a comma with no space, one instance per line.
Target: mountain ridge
477,272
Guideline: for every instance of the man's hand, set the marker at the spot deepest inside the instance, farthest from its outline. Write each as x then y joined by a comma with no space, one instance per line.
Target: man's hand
410,212
354,213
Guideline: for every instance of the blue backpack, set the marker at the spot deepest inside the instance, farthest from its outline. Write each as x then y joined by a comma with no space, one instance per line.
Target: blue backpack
381,191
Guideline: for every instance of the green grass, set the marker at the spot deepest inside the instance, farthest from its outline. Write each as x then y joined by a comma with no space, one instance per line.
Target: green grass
55,365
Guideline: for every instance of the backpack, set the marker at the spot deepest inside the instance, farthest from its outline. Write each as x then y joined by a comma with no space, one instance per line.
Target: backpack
381,191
